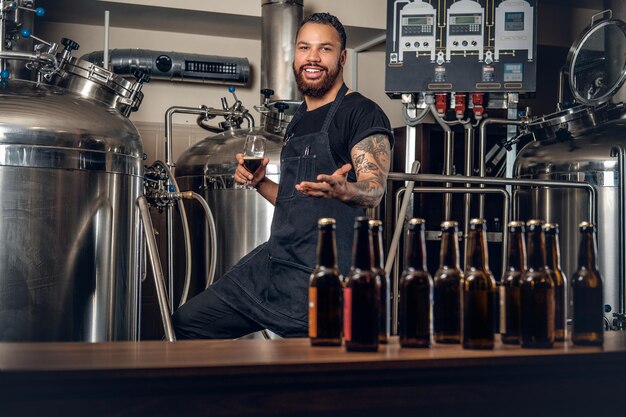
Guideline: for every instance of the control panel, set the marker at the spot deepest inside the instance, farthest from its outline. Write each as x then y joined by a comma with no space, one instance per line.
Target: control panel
463,45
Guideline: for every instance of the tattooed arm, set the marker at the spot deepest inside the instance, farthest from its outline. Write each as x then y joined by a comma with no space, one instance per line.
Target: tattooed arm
371,159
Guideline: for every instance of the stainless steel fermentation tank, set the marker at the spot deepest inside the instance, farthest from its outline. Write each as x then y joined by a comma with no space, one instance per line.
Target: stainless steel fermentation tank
577,144
71,168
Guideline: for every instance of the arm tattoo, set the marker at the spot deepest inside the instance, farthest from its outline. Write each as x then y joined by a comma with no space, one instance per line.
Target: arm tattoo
371,159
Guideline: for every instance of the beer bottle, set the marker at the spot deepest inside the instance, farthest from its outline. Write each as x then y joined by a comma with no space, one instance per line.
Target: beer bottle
416,289
587,313
479,291
361,296
447,287
553,258
325,290
379,268
511,283
537,293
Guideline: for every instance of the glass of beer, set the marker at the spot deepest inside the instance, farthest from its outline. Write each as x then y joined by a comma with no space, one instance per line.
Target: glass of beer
253,154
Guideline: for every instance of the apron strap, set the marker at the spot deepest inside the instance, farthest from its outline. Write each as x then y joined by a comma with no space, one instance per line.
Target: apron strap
333,110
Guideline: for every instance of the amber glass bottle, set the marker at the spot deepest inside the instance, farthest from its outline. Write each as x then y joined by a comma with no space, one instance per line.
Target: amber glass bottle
479,291
537,293
325,290
447,287
587,314
416,289
553,259
361,297
511,283
379,269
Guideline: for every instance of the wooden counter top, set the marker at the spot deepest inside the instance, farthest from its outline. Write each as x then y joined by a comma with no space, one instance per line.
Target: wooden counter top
284,377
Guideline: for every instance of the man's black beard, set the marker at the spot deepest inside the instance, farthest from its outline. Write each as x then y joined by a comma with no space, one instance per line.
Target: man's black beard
310,91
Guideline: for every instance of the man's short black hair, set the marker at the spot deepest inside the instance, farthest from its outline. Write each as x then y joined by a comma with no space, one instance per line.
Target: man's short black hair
326,19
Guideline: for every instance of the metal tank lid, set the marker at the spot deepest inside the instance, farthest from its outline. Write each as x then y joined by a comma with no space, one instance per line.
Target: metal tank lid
596,63
50,127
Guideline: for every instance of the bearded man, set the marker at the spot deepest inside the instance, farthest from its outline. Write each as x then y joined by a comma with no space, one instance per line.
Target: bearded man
334,163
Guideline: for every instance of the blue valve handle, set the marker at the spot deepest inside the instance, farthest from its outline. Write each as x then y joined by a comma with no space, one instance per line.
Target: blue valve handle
40,11
4,74
231,89
25,33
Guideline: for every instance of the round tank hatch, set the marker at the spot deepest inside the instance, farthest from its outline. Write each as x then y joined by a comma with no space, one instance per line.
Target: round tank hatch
596,62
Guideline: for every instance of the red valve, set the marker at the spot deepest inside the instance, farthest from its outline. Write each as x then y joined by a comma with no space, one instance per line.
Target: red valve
477,99
441,103
459,105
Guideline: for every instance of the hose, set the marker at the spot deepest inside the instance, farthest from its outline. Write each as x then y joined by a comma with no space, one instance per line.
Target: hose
212,234
414,121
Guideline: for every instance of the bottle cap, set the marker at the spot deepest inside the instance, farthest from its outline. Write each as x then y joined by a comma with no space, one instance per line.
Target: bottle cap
478,224
551,228
325,221
516,224
361,221
449,224
586,226
376,225
416,221
534,223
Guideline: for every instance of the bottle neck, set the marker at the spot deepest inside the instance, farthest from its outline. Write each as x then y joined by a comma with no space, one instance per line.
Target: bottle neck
553,253
377,244
449,255
536,250
587,252
416,250
516,259
326,249
477,257
362,249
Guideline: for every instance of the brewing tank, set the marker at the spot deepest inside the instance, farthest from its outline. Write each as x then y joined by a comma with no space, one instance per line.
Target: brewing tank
583,156
70,172
243,217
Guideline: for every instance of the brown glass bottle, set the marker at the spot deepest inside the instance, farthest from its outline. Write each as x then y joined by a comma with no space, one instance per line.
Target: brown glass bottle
553,259
511,283
447,287
361,297
537,293
587,316
416,290
379,269
479,291
325,290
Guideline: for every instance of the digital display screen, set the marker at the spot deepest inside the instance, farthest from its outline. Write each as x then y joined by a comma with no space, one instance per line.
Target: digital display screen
514,21
211,67
464,20
416,21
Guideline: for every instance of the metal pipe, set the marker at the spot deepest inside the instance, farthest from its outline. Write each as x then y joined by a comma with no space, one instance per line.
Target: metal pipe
620,152
26,56
561,89
505,233
187,242
105,59
169,220
448,169
355,57
458,179
279,24
482,144
395,241
157,270
469,167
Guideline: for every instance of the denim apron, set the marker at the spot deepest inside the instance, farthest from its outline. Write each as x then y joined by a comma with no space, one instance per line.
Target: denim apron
270,284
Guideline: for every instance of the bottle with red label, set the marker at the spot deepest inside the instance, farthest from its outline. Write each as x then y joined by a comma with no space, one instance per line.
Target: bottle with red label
361,299
325,290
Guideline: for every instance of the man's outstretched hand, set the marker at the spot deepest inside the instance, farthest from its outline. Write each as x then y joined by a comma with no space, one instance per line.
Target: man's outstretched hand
334,186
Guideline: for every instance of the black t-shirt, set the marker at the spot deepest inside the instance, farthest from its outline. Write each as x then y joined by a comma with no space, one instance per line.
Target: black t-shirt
357,118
